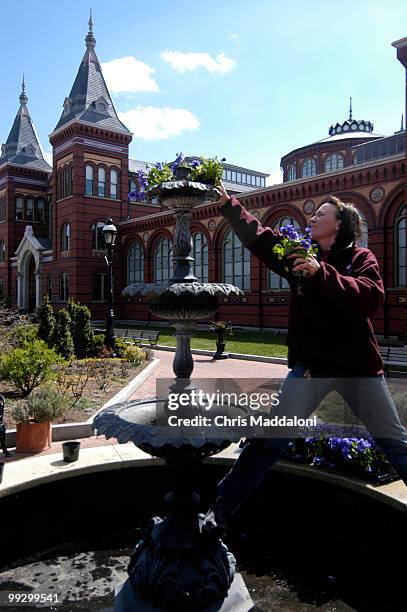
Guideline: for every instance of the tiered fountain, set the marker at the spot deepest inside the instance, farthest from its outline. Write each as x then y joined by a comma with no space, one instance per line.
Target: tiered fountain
175,566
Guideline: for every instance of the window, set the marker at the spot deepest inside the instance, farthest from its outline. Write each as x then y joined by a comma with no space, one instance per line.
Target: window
162,261
333,162
364,239
239,177
275,280
291,172
64,287
224,174
400,226
29,209
65,237
60,178
2,250
2,208
98,240
66,182
309,167
113,184
19,208
253,180
257,181
135,264
236,261
243,177
200,253
49,287
40,211
101,287
133,185
233,176
101,182
228,175
89,180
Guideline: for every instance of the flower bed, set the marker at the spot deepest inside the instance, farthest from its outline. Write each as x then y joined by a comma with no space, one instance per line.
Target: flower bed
354,454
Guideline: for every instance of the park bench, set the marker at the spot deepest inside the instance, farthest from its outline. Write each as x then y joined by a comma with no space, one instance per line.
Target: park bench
137,336
394,360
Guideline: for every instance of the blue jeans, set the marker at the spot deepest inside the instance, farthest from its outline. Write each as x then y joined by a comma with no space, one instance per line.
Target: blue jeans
369,399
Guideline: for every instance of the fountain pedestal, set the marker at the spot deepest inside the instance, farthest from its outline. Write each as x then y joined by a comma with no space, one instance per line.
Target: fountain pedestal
175,566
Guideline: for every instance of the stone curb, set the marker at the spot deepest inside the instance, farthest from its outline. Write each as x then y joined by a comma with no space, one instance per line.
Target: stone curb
263,358
70,431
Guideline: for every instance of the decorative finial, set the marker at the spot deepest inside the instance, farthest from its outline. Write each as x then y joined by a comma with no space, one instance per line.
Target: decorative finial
23,97
90,39
350,109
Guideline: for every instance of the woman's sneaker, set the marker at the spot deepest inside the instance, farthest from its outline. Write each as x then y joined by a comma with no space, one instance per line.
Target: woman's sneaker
216,520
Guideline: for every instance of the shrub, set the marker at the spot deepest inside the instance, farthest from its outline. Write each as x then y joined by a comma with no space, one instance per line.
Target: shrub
120,347
135,355
81,330
98,340
25,334
62,341
46,403
46,320
30,366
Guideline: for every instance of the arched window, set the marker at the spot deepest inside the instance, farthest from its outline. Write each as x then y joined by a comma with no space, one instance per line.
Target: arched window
60,184
101,182
64,287
89,179
291,172
19,208
200,253
333,162
162,261
29,209
309,167
275,280
114,178
98,240
400,226
135,264
65,237
236,261
66,182
364,240
2,250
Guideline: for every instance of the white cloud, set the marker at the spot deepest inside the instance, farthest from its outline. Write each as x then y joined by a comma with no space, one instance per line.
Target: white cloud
275,178
127,74
154,123
184,62
234,36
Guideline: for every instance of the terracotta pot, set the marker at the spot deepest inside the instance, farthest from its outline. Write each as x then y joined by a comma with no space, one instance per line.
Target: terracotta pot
33,437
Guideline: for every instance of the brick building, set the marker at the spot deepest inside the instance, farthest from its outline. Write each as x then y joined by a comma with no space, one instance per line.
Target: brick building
51,218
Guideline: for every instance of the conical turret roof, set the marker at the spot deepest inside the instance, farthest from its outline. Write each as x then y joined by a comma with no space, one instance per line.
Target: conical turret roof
22,146
89,100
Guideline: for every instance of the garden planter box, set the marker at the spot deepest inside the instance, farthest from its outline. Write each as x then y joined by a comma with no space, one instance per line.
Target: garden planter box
33,437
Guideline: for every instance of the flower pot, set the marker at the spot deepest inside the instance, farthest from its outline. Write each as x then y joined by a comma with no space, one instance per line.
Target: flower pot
220,354
1,470
33,437
71,451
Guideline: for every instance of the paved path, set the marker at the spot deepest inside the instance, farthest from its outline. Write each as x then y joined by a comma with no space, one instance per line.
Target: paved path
206,367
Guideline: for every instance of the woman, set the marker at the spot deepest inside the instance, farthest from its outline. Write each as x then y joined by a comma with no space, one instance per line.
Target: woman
330,341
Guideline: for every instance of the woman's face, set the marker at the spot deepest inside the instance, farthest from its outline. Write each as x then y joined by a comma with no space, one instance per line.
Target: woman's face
324,223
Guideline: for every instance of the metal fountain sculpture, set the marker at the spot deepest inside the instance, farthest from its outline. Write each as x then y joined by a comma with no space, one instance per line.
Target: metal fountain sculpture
175,566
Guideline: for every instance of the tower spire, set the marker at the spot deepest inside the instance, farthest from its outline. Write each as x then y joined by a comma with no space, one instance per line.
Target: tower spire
23,97
90,39
350,109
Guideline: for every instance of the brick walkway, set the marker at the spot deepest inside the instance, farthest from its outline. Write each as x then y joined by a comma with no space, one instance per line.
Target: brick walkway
204,367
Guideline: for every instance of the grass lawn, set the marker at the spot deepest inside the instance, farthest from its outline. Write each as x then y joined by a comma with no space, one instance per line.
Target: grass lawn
242,341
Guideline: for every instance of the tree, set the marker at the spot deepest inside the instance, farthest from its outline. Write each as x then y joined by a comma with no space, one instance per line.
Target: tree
62,340
46,320
81,330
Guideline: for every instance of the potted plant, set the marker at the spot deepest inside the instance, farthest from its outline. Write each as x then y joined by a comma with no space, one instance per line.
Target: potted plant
221,329
45,404
200,170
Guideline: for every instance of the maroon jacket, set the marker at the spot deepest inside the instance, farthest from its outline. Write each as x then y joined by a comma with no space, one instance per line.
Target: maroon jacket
329,331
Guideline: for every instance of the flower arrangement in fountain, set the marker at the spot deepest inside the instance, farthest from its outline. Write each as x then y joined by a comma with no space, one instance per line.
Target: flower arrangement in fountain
359,456
200,170
294,241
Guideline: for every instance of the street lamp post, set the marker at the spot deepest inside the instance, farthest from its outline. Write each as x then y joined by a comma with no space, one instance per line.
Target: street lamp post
109,234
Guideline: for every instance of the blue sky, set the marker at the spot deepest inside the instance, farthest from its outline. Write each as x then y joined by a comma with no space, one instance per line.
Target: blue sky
246,80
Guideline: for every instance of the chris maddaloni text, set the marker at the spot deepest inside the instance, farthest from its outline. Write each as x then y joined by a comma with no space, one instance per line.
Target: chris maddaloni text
252,420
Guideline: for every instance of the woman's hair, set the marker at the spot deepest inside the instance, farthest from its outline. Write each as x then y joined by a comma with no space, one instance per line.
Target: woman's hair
351,222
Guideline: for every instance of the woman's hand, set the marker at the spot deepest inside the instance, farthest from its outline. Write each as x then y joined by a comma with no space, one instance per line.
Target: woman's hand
224,197
308,263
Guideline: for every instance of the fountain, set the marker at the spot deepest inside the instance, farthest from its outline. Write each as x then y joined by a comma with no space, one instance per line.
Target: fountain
175,566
